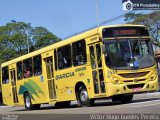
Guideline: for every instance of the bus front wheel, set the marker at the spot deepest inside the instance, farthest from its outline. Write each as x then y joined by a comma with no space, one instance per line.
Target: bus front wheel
83,98
28,102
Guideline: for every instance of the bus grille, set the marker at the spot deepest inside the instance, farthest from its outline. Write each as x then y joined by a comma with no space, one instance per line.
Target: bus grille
135,86
133,75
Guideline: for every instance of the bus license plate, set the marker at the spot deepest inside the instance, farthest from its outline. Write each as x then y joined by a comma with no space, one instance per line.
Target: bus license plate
136,89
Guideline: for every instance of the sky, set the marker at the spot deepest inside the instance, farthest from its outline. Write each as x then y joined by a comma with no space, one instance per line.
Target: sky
61,17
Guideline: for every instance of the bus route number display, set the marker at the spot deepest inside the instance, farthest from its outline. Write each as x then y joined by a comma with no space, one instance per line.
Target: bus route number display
125,32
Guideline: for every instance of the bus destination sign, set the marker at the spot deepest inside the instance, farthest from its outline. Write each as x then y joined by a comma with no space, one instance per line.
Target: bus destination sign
125,32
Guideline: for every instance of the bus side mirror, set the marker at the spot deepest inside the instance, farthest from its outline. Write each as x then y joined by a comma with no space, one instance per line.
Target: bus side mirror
157,54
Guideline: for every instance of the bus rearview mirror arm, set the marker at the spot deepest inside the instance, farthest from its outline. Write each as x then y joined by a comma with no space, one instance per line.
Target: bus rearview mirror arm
103,49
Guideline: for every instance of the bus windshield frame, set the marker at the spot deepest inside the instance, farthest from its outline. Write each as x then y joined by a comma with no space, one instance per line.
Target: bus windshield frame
126,49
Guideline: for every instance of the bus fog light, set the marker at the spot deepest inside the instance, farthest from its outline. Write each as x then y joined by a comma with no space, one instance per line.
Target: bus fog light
147,86
116,81
153,76
124,88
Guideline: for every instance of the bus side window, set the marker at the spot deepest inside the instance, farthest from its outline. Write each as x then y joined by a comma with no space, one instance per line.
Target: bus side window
64,57
27,65
5,75
37,62
19,70
79,53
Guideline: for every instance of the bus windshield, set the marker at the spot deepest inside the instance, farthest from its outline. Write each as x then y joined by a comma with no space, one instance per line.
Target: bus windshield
129,53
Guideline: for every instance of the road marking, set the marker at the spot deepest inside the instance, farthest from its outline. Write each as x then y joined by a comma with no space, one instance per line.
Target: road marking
154,93
148,94
5,106
132,105
139,104
129,105
146,105
143,102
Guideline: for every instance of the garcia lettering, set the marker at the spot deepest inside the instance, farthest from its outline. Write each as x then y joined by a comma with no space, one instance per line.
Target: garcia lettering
65,75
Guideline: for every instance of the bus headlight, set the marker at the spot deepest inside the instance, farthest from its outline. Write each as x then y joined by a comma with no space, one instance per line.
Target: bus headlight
116,81
153,76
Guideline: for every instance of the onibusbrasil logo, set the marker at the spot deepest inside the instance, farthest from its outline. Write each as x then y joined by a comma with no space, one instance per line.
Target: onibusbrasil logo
127,5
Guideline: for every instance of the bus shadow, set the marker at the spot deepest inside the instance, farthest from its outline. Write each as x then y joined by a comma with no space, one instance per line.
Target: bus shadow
49,108
97,104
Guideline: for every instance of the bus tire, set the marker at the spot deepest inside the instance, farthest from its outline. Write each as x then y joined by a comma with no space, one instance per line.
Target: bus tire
64,104
28,103
83,98
126,98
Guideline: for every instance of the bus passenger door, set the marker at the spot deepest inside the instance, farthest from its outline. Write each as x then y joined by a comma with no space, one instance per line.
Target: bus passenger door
13,83
97,70
50,77
6,87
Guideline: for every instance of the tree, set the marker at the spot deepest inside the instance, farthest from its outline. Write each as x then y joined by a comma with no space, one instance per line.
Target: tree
42,37
13,39
151,20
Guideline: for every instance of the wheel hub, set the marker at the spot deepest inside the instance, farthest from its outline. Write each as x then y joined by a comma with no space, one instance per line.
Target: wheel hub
84,96
28,102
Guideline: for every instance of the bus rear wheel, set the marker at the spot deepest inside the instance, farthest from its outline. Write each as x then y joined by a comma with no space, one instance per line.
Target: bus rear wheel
28,103
83,98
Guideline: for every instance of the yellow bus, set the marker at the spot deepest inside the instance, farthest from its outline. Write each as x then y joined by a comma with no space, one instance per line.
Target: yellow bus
107,62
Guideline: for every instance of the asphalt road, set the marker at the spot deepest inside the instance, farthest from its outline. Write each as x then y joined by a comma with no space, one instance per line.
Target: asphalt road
143,105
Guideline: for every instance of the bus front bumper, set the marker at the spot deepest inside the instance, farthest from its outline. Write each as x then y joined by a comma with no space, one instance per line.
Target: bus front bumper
132,88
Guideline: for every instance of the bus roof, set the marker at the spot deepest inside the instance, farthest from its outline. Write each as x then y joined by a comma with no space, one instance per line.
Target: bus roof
83,35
